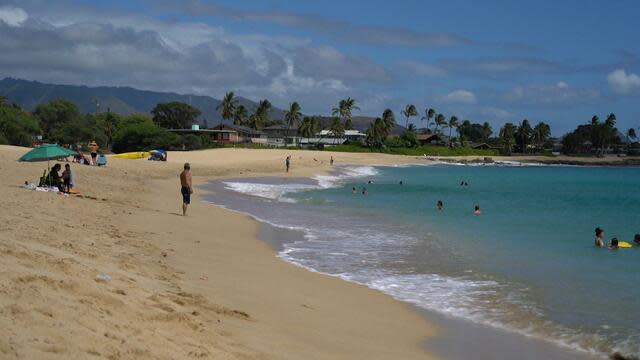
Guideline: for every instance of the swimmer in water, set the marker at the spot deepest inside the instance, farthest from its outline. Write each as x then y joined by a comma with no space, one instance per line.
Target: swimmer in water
364,191
613,244
354,190
636,240
440,205
476,210
599,242
401,183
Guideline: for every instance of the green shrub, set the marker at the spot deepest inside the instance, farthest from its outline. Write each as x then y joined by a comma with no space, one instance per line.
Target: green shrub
137,136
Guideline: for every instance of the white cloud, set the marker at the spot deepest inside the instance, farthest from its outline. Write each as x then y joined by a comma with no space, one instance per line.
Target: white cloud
493,113
559,94
460,96
184,57
623,83
13,16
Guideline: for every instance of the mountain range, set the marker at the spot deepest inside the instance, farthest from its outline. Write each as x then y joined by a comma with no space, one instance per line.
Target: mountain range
127,100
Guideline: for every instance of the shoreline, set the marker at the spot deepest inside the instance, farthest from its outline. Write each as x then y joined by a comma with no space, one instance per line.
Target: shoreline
509,344
207,278
200,286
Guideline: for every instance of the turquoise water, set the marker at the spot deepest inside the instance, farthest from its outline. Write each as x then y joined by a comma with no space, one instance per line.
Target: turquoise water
526,264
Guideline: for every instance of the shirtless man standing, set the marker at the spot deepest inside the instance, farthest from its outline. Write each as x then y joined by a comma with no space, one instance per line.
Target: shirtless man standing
186,188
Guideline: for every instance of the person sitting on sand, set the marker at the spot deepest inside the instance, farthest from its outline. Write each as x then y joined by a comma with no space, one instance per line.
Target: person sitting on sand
67,178
613,244
186,187
440,205
636,240
599,242
476,210
54,177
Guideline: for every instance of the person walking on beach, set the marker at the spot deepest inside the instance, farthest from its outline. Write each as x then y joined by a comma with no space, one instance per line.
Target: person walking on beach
287,162
599,242
331,161
186,187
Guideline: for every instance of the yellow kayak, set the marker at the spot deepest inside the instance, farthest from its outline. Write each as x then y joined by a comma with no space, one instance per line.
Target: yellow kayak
132,155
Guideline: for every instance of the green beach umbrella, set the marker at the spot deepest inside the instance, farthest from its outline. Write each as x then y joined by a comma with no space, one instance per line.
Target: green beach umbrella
46,152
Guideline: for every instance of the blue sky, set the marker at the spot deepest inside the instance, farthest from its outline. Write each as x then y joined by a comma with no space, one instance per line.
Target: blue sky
556,61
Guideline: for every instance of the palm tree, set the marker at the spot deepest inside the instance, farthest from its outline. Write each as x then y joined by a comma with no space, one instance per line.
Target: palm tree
376,134
261,115
507,136
428,114
240,115
292,116
308,127
486,131
389,121
336,128
344,109
409,111
441,121
524,134
631,134
541,133
4,101
228,105
453,122
412,128
110,123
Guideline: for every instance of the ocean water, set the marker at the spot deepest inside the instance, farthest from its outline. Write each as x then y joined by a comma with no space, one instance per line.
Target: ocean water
527,264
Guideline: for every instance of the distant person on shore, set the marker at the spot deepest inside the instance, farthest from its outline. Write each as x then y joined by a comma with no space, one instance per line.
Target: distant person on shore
476,211
287,162
186,187
636,240
613,244
93,148
440,205
331,161
599,242
354,190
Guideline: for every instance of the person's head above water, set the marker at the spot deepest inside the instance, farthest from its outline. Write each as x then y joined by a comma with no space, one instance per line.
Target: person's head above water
614,242
599,232
636,238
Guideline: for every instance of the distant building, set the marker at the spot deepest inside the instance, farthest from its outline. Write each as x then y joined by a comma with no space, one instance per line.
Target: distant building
225,133
281,135
429,139
327,138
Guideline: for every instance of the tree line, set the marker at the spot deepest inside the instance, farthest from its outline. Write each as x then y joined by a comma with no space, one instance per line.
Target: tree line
60,121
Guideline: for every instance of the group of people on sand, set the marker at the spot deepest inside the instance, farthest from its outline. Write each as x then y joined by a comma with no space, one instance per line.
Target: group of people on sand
97,158
614,243
287,162
65,181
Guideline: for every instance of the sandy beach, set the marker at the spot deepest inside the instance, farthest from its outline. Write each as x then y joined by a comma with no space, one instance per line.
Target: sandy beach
202,286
